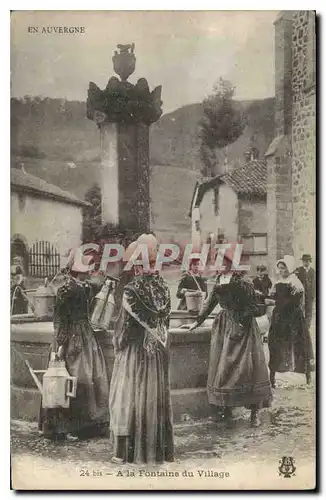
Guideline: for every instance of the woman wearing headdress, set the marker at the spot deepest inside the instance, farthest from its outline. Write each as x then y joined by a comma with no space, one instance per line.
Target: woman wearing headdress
237,373
290,346
75,343
140,401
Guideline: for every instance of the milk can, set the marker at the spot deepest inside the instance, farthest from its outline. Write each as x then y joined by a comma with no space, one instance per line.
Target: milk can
44,301
57,387
104,305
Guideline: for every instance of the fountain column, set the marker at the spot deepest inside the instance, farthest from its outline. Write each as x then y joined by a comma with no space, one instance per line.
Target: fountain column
123,113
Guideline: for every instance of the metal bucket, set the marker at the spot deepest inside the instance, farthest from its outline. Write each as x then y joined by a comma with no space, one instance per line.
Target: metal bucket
195,300
44,302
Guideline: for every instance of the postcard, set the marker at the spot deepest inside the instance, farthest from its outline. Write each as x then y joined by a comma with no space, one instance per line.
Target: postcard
163,250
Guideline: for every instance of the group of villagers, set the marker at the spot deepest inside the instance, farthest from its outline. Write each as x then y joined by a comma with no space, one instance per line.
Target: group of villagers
135,407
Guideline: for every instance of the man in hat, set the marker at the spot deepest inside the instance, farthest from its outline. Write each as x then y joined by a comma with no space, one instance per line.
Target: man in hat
307,276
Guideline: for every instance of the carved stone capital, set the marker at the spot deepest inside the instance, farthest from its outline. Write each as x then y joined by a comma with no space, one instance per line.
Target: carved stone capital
123,102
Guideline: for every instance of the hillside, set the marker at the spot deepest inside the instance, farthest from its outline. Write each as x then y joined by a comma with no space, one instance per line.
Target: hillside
171,190
55,141
59,130
174,138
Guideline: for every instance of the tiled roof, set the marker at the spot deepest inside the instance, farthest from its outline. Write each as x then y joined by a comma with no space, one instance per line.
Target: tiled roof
251,178
25,182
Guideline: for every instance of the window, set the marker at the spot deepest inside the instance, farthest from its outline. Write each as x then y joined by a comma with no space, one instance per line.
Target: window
255,244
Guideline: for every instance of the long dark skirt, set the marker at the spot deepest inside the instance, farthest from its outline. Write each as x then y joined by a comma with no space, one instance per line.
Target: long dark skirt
289,342
237,373
140,406
88,414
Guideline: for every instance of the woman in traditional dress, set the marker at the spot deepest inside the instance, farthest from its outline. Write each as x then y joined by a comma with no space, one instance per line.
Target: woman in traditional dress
140,402
237,373
290,347
191,280
19,299
74,342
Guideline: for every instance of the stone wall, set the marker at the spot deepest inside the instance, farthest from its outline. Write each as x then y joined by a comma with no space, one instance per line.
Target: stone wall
271,213
189,356
291,171
283,73
279,200
303,132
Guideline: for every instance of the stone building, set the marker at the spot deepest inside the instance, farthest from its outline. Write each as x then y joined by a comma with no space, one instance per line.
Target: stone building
291,157
45,214
232,207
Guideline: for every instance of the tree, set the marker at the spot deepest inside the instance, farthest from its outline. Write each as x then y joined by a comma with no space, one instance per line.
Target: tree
222,124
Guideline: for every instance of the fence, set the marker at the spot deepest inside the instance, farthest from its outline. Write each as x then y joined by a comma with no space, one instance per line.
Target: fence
44,260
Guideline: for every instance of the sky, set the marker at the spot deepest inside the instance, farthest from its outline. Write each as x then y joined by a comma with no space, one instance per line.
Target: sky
185,52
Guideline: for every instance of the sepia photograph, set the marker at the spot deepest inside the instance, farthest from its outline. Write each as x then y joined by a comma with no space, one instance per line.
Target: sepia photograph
163,250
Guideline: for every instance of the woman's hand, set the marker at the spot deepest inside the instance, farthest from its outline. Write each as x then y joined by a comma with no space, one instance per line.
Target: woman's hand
269,302
60,353
192,326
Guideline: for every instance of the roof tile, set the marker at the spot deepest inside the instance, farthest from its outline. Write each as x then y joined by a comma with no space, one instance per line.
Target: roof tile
29,182
251,178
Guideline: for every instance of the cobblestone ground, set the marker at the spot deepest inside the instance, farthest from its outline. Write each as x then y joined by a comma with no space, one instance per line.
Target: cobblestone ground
287,428
251,456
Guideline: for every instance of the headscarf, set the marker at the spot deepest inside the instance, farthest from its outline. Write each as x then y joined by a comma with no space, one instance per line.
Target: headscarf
73,267
292,279
289,262
145,239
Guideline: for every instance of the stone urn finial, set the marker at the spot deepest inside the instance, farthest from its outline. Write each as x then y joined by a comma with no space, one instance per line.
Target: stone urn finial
122,101
124,63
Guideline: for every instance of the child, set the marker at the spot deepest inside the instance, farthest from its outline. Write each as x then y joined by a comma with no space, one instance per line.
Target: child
262,282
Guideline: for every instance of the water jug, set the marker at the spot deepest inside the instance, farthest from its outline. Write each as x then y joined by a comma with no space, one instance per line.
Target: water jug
58,386
104,306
